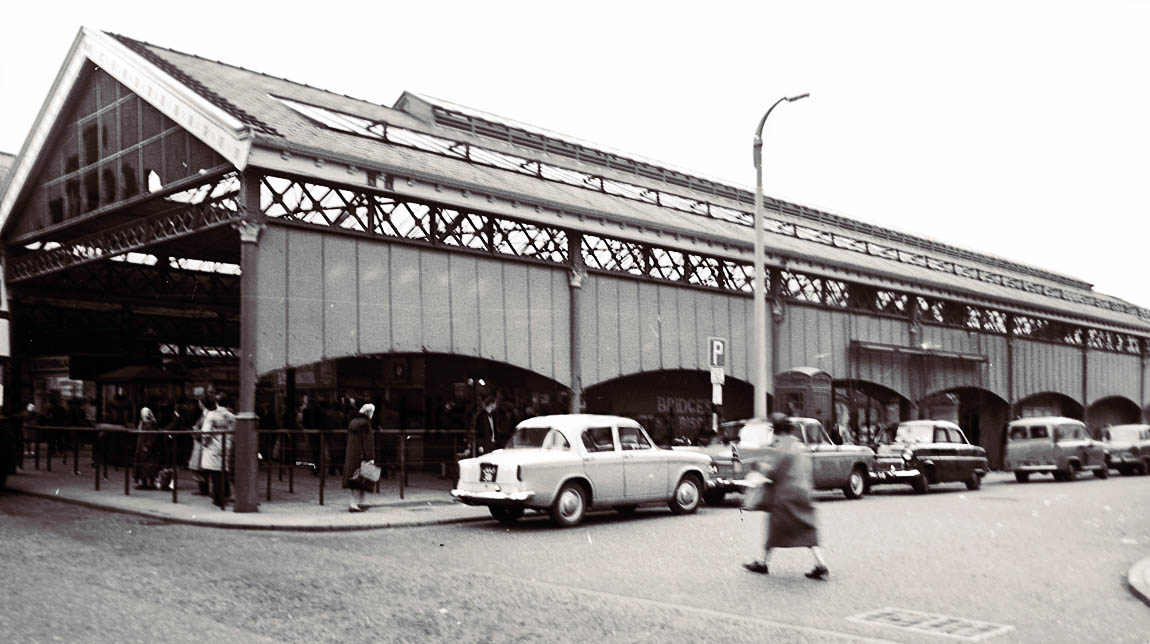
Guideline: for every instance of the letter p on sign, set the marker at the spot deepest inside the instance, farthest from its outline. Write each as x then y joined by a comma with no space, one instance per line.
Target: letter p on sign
717,352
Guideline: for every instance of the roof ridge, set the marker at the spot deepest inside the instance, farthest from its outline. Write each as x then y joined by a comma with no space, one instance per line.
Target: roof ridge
132,41
142,48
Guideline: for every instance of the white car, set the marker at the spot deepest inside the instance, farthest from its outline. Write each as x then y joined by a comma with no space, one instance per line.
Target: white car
567,464
1129,448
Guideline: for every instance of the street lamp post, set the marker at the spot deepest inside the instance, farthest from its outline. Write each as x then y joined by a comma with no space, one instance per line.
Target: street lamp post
760,299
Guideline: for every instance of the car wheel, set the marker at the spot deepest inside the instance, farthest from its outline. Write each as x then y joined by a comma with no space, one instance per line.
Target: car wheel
506,515
714,497
1022,477
974,482
686,498
920,483
856,484
569,506
1102,472
1070,473
1125,470
1146,466
626,509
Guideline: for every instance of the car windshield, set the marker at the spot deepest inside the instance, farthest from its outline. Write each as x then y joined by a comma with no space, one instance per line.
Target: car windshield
538,438
913,434
1124,434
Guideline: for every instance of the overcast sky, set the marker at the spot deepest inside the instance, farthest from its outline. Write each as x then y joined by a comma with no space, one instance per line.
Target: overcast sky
1019,129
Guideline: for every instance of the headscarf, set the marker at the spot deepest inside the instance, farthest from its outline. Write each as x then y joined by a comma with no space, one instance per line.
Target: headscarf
146,415
368,410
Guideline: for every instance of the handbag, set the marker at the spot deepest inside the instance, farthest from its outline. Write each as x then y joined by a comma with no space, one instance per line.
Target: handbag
760,495
368,471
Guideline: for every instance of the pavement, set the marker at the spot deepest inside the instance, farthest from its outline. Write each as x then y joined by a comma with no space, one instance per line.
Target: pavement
295,499
295,503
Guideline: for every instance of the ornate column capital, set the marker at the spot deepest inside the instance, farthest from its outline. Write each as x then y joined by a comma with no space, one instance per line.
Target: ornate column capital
578,274
249,230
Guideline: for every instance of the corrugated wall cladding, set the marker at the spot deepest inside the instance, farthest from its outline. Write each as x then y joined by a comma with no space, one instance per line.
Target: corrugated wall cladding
1113,374
816,337
342,296
632,326
1042,366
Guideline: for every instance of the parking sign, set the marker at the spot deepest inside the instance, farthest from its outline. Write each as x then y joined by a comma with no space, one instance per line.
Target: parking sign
716,352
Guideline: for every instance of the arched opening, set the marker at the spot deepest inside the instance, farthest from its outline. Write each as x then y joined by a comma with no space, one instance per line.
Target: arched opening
670,404
1113,410
423,391
981,414
863,408
1048,403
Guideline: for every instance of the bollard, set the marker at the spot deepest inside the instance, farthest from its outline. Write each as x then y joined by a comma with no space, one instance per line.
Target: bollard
402,462
75,453
322,464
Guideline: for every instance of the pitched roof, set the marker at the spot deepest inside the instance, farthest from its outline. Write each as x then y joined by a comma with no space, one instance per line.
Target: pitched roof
275,123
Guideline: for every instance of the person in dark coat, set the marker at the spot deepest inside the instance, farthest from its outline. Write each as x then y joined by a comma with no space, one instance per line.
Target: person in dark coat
791,520
487,427
360,447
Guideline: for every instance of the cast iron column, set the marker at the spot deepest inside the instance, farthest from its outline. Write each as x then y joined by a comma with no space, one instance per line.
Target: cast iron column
247,423
578,274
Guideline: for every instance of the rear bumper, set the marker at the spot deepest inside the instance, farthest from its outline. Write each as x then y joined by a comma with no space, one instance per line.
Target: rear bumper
470,497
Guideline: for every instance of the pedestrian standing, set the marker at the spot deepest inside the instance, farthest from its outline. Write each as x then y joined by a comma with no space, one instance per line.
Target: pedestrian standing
217,453
195,461
360,448
486,433
791,520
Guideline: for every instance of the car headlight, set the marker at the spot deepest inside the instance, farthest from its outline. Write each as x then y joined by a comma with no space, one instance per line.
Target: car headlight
907,455
712,469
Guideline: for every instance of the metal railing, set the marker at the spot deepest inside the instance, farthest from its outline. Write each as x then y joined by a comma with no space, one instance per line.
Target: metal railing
316,450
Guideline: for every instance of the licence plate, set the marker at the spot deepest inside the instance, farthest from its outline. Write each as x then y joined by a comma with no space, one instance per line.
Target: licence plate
487,472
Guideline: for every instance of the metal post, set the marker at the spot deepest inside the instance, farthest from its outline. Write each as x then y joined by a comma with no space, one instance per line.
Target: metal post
575,281
246,437
322,463
403,462
75,452
760,301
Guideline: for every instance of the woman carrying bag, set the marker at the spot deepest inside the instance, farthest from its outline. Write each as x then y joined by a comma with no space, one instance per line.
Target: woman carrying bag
360,451
791,518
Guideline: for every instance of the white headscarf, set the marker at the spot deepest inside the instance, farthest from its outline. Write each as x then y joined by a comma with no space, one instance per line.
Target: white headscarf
367,410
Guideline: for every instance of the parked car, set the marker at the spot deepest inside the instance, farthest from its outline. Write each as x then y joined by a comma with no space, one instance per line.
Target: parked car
567,464
1128,447
923,452
739,443
1053,445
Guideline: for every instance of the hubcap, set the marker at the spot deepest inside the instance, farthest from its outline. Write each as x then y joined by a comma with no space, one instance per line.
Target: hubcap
688,494
571,504
856,483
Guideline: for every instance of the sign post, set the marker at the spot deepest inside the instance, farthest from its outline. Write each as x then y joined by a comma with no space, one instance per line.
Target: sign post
717,361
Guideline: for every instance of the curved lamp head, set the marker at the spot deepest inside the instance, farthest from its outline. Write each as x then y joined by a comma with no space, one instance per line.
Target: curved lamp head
792,99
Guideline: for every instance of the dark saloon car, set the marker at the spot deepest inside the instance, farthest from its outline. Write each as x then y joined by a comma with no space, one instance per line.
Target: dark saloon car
920,453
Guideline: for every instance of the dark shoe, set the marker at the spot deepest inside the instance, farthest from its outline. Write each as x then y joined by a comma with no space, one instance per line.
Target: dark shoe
820,573
757,566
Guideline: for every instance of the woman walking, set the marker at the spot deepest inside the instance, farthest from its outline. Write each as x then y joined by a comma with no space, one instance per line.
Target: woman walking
360,448
791,521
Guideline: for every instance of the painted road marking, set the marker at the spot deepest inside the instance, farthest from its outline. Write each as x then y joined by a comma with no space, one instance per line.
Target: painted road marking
967,630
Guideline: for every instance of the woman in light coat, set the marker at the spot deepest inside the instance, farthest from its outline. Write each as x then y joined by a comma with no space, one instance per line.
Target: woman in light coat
791,521
217,452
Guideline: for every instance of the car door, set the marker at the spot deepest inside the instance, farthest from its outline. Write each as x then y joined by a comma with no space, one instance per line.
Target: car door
603,464
945,455
644,467
823,455
967,456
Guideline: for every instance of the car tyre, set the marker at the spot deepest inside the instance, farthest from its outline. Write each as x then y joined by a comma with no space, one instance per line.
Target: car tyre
1070,473
1102,472
1125,470
714,497
569,506
855,486
920,483
1146,466
974,481
1022,477
505,515
686,498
